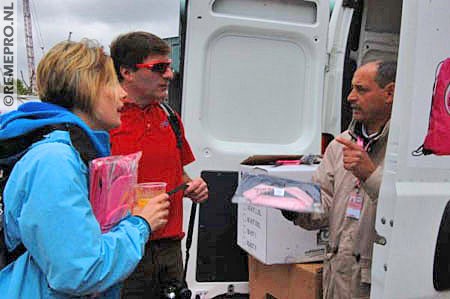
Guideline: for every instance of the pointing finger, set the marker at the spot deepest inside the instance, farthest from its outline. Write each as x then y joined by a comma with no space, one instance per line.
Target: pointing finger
348,143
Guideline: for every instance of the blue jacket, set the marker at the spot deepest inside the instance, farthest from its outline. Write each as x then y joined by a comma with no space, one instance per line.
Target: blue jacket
48,210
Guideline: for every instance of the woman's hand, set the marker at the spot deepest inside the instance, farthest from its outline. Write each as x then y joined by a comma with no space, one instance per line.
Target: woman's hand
155,212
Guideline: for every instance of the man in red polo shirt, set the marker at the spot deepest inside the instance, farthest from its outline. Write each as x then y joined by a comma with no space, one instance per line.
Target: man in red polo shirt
143,67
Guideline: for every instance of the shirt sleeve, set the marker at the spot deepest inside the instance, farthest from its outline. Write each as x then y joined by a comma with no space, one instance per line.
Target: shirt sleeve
373,183
59,229
324,176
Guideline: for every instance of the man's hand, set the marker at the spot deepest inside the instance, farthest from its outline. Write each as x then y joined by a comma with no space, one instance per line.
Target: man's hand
356,159
197,190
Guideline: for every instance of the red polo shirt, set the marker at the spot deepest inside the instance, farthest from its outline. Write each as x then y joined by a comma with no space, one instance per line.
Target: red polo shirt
148,130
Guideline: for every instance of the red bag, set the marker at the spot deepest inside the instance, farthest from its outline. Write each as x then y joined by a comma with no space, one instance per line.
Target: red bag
437,140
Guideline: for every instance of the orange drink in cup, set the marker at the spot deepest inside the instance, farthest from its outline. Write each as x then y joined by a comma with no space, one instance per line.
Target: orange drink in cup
144,191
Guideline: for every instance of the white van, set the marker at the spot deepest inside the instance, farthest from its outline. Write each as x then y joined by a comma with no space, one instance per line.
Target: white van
270,77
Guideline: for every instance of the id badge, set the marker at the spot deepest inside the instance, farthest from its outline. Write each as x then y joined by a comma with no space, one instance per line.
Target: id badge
354,206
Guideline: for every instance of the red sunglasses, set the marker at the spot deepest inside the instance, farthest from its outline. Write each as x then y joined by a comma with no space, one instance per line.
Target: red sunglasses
157,66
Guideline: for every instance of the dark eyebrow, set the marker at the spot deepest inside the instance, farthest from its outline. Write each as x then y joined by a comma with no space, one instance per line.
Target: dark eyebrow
359,87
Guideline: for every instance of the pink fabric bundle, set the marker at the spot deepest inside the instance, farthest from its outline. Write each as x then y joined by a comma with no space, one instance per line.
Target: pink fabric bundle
279,193
289,198
111,181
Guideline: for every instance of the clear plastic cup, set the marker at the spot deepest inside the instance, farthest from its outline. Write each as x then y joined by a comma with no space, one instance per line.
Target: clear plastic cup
144,191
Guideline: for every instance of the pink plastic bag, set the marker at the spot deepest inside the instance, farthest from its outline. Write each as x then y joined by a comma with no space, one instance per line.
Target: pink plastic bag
111,180
279,193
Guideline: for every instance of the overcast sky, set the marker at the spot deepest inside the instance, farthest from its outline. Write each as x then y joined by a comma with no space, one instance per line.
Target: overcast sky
102,20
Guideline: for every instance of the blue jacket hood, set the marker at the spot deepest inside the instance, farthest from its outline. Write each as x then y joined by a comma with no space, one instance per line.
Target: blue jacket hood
33,115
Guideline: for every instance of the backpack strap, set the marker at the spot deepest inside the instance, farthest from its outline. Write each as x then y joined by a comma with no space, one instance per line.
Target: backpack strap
421,151
174,123
82,143
17,145
13,149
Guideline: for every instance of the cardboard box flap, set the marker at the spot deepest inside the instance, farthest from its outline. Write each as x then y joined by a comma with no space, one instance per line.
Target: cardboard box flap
268,159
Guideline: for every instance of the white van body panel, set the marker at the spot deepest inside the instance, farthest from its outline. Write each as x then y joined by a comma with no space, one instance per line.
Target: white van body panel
340,21
253,79
378,39
262,77
253,84
415,190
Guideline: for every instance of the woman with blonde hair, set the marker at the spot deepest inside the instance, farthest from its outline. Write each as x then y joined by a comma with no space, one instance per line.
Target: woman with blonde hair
46,202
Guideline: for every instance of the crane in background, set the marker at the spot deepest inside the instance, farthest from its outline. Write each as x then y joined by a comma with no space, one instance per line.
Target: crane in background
29,45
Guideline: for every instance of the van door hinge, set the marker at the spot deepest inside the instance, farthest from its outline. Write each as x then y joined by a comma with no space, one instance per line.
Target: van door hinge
351,3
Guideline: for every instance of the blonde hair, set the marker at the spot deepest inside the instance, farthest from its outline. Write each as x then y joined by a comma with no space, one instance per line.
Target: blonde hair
71,74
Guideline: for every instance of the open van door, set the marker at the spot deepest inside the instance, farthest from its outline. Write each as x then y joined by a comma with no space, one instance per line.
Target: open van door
253,83
412,259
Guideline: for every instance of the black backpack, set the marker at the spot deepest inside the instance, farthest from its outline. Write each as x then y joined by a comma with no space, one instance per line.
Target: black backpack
13,149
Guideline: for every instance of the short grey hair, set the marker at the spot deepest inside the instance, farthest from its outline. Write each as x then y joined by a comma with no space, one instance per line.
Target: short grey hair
386,72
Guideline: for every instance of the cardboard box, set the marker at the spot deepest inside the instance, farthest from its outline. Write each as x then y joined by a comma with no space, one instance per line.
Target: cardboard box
265,233
290,281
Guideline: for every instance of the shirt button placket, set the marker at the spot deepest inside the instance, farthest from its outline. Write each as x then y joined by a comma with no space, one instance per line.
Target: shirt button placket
147,123
147,127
